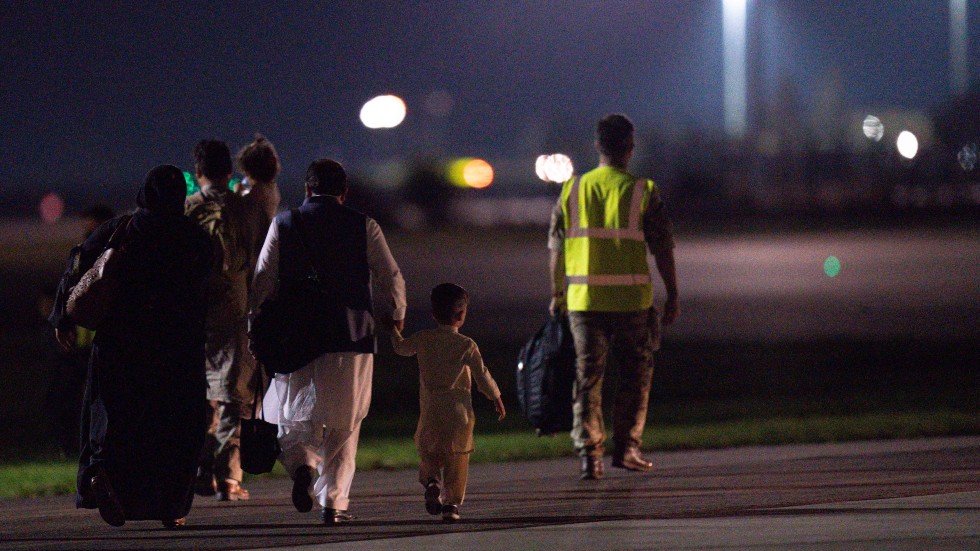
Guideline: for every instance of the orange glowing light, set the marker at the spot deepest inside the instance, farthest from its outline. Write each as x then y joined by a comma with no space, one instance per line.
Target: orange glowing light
477,173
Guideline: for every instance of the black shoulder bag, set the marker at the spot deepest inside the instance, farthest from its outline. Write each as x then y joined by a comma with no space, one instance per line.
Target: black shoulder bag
259,438
299,323
91,300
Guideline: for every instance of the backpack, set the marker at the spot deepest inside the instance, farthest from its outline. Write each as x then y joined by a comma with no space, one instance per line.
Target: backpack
546,376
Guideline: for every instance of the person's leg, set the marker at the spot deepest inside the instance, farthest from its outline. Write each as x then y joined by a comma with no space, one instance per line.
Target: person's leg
430,476
300,425
591,351
339,449
343,380
204,484
430,468
300,433
456,473
62,405
221,354
227,463
634,350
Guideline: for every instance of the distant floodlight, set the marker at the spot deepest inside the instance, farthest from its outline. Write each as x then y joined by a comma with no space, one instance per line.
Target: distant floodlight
51,208
873,129
959,46
908,144
831,266
439,103
555,168
734,64
478,173
539,167
470,172
968,157
383,112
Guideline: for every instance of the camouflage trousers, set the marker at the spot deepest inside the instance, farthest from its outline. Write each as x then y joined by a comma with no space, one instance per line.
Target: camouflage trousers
601,338
222,449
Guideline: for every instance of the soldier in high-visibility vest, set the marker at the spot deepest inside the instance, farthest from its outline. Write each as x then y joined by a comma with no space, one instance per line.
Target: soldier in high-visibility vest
601,228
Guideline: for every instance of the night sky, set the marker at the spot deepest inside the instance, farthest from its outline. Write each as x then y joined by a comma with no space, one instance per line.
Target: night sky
103,91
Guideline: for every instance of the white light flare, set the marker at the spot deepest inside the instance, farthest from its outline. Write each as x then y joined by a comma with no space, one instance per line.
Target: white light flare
555,168
908,144
736,87
383,112
873,128
967,157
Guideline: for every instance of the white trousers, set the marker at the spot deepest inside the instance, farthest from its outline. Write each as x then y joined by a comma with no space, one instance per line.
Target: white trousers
321,407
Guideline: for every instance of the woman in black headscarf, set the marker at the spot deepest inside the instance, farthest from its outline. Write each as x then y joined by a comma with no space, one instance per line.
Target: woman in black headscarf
143,420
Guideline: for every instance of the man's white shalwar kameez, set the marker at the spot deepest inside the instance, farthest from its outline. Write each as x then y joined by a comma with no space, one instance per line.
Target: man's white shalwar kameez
322,404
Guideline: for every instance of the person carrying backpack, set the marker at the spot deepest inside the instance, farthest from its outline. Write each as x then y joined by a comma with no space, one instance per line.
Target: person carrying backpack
230,366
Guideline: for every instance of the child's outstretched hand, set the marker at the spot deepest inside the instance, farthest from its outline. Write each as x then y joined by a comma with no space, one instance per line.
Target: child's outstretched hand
498,405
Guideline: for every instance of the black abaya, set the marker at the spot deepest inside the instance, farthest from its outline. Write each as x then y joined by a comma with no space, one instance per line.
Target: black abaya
143,418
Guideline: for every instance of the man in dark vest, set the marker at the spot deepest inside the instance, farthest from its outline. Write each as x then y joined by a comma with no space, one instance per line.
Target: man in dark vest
322,404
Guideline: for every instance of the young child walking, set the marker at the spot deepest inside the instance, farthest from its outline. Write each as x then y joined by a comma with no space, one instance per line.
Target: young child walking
448,362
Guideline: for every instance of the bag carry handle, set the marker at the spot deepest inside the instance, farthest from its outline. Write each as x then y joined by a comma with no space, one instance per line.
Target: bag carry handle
113,242
259,394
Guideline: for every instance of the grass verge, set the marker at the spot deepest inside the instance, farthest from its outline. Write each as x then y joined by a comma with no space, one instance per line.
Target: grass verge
41,478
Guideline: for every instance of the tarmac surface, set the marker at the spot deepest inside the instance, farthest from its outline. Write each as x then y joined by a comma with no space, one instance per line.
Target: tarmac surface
900,494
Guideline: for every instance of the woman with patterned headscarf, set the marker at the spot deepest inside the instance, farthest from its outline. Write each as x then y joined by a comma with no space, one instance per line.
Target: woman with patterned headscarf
143,420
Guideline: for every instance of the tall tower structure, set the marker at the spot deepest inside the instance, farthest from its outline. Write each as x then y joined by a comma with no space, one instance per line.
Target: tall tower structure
958,47
735,13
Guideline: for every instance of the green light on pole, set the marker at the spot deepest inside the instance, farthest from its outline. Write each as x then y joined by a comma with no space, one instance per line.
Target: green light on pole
831,266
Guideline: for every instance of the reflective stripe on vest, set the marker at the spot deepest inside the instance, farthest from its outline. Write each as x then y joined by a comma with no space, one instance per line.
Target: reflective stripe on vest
575,228
609,279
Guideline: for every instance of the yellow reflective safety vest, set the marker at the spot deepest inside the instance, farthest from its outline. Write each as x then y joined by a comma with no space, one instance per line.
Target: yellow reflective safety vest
605,253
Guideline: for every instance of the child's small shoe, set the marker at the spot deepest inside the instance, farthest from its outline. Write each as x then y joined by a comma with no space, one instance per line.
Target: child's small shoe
433,505
450,513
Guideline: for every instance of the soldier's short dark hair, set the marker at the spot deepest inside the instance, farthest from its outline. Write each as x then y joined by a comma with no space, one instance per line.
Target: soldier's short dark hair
213,159
614,134
326,177
447,300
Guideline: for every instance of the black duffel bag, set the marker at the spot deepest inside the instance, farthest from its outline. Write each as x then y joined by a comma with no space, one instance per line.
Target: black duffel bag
546,375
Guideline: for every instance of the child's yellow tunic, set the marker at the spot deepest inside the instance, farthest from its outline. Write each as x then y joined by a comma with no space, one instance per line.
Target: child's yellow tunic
448,362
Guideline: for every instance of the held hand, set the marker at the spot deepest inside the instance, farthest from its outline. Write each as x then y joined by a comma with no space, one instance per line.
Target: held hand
66,339
498,405
558,305
671,311
392,324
